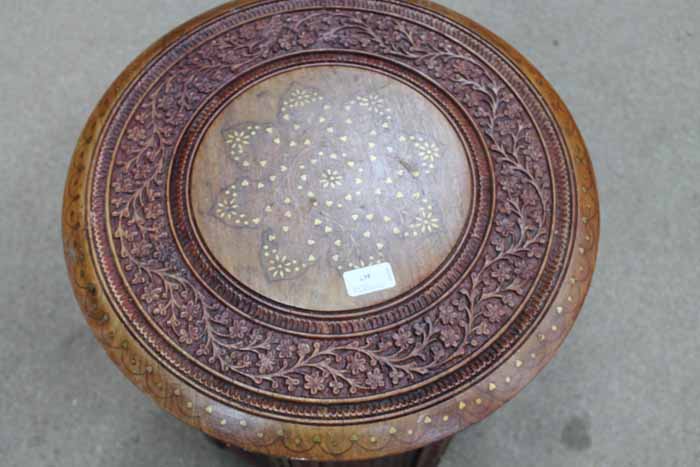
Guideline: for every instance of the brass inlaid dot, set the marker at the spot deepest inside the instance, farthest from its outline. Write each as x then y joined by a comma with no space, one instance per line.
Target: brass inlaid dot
478,401
492,387
244,423
209,409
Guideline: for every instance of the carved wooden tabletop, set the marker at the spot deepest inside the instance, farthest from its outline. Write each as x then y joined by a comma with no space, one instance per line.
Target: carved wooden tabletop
330,229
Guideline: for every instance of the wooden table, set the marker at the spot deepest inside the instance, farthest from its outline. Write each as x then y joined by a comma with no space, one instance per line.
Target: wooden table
331,230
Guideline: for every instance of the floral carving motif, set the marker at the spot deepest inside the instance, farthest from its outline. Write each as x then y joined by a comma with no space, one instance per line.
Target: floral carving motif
496,285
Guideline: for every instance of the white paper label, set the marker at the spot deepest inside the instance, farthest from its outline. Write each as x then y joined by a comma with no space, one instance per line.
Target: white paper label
369,280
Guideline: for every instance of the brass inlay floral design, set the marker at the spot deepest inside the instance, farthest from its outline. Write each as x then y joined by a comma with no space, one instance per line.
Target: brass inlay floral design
332,179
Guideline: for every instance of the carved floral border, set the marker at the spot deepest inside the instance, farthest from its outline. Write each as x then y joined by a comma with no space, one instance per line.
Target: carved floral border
443,335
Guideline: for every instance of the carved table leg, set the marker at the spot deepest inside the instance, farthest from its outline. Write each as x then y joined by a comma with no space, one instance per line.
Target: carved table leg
429,456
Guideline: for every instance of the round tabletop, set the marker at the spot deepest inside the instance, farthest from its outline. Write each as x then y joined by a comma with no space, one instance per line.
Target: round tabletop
330,229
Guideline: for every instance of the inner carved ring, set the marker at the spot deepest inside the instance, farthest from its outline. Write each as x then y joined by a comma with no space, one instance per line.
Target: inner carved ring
360,321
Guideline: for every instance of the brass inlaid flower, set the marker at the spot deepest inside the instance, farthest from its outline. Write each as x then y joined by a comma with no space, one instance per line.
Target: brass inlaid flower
372,103
425,221
330,178
237,141
299,97
280,266
428,152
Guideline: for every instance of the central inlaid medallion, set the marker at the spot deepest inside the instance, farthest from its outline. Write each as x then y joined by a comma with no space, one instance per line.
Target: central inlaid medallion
318,171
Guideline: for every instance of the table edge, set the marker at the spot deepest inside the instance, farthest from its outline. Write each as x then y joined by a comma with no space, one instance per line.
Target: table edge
347,442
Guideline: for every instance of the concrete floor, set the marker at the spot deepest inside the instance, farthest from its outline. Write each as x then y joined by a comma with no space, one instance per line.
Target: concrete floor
623,391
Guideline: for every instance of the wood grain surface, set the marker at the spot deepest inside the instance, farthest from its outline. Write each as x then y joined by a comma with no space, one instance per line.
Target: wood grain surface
323,170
